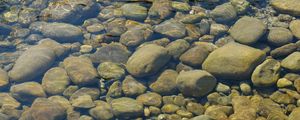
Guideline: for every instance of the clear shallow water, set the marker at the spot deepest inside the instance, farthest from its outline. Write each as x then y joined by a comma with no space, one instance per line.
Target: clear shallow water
161,59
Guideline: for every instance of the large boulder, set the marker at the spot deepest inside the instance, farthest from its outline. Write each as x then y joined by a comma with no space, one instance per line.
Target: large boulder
195,83
44,109
81,70
247,30
147,60
233,61
286,6
127,108
32,63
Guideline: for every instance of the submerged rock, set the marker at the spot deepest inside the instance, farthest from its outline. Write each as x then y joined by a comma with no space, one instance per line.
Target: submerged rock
291,62
165,83
44,109
127,108
171,28
27,91
8,101
286,6
147,60
224,13
4,79
134,11
32,63
247,30
102,111
150,99
131,87
80,70
136,36
109,70
55,81
235,65
195,83
294,27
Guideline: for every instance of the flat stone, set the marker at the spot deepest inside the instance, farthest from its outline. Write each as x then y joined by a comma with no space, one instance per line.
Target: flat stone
247,30
27,91
55,81
102,111
127,108
235,65
286,6
267,73
291,62
279,36
8,101
150,99
83,101
282,98
295,114
62,32
177,48
195,83
243,108
136,36
284,50
134,11
93,92
171,28
160,10
80,70
109,70
147,60
194,56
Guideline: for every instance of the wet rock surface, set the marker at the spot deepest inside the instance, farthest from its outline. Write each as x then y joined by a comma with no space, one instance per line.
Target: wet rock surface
149,60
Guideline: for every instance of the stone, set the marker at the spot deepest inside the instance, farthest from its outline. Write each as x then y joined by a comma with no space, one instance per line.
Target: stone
58,48
64,102
181,6
134,11
114,91
116,27
194,56
266,74
165,83
150,99
279,36
218,29
80,70
171,28
241,6
283,82
109,70
44,109
4,79
184,113
247,30
70,90
282,98
243,108
102,111
223,13
286,6
177,48
245,88
195,83
202,117
62,32
131,87
223,88
269,109
294,115
32,63
147,60
55,81
113,52
160,10
294,27
136,35
86,48
83,101
72,11
235,65
284,50
219,112
127,108
95,28
291,62
93,92
27,91
297,85
195,108
169,108
8,101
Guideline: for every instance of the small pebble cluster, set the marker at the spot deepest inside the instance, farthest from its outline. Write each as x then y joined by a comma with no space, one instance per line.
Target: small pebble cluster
149,60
